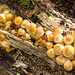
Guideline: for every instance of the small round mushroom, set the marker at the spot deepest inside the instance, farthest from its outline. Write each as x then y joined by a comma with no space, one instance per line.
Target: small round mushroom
70,58
21,31
60,60
9,16
73,63
13,31
68,51
58,38
9,49
68,39
58,49
57,30
50,53
8,23
48,32
50,36
31,28
28,36
42,43
68,65
73,35
5,44
6,11
2,37
74,40
24,23
39,32
18,20
49,45
2,17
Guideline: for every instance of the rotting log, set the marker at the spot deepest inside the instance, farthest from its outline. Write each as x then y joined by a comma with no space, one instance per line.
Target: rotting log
45,22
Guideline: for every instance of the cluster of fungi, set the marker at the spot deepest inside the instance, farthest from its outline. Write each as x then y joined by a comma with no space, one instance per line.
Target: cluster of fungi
63,46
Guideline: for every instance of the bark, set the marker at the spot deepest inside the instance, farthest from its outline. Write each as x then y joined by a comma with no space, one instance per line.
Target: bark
38,54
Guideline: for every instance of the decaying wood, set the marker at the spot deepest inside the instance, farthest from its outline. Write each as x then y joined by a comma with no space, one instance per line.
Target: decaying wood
3,71
48,18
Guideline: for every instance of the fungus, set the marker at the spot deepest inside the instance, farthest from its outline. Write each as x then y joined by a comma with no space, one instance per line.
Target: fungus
6,11
2,37
9,49
24,23
49,45
28,36
60,60
57,30
68,65
68,39
50,53
5,44
18,20
31,29
50,36
68,51
13,31
42,43
58,49
2,17
21,31
58,38
73,63
9,16
39,32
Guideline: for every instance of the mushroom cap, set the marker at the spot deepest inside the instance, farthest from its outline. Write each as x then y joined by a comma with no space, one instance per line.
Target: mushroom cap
58,38
6,11
60,60
18,20
50,37
8,23
24,23
2,37
58,49
50,53
48,32
9,16
28,36
68,65
13,31
21,31
73,35
5,44
68,51
57,30
73,63
49,45
39,31
68,39
2,17
31,28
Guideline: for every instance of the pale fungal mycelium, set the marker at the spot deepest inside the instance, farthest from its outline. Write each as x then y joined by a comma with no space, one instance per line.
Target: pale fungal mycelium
58,45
